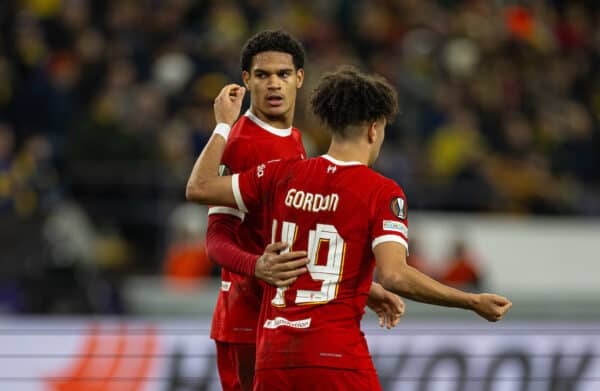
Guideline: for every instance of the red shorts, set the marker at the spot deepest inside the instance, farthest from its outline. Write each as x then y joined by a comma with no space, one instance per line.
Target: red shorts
316,379
235,362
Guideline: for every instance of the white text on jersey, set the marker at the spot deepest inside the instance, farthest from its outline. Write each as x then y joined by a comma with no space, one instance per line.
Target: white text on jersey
311,202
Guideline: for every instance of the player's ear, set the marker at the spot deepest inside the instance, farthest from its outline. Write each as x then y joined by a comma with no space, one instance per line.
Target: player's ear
372,133
246,79
300,77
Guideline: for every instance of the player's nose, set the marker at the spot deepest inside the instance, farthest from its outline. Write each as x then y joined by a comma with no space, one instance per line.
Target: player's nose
273,82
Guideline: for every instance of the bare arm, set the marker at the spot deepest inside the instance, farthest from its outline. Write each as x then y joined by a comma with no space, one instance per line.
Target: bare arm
204,186
397,276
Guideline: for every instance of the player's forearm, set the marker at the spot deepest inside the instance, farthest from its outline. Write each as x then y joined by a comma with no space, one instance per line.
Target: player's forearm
412,284
223,248
200,186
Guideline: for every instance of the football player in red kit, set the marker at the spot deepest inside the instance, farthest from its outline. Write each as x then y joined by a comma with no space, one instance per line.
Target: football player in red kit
272,69
348,219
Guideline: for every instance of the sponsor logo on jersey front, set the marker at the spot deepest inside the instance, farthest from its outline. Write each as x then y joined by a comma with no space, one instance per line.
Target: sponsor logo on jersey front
311,202
395,226
398,208
279,321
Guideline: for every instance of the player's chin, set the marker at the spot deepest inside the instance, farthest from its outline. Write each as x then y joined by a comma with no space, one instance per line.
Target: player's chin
276,111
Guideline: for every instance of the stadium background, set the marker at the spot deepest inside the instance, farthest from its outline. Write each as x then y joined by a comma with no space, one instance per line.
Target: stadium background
105,104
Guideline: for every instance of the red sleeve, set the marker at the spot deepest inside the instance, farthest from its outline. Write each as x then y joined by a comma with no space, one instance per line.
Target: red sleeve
390,221
223,247
252,187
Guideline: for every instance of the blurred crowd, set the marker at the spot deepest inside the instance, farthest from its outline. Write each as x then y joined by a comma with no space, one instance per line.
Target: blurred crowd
104,105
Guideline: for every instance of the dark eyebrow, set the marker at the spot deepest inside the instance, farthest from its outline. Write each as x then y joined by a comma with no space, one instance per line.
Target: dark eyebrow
259,70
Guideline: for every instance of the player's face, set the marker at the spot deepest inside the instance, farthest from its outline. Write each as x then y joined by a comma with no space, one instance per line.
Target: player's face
273,82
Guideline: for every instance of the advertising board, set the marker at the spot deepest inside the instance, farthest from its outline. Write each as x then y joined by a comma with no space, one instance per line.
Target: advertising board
177,355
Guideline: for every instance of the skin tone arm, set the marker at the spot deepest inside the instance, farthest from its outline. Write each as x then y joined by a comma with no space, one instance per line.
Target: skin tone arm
397,276
205,187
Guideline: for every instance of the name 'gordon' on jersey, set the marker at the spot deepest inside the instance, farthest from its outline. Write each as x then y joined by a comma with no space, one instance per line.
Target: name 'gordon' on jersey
311,202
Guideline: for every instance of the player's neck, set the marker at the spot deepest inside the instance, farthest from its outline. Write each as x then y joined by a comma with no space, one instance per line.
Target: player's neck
280,122
347,151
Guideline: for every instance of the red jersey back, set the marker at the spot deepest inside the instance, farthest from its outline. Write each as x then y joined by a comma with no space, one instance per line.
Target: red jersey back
250,143
338,212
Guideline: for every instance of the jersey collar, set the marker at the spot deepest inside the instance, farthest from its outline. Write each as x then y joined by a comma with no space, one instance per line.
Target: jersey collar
341,163
267,127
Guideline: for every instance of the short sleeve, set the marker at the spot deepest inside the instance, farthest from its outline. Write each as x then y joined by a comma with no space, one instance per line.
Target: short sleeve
390,220
251,187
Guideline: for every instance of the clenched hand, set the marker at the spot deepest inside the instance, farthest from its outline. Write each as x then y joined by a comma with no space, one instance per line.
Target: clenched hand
228,104
491,307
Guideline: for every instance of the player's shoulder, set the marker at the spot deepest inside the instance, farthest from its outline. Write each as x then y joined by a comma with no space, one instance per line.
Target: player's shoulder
387,182
243,137
380,184
305,166
296,134
290,163
243,129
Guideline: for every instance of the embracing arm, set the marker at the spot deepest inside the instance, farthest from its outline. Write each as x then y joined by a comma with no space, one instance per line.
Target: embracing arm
223,247
397,276
271,267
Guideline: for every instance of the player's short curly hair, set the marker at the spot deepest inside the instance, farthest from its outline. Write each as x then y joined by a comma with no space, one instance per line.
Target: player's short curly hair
346,98
272,40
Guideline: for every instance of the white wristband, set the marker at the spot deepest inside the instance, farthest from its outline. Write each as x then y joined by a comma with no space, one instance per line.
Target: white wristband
222,129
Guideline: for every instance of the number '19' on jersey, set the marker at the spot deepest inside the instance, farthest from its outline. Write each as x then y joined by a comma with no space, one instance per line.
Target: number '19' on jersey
338,212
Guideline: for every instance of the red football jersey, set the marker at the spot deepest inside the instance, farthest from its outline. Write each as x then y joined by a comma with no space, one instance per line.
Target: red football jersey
338,212
250,143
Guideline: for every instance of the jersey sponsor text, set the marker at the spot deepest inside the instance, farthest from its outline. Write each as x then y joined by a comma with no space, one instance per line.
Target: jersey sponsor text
279,321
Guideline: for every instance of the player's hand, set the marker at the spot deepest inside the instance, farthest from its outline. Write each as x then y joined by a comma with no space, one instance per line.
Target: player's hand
491,307
280,269
228,104
388,306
